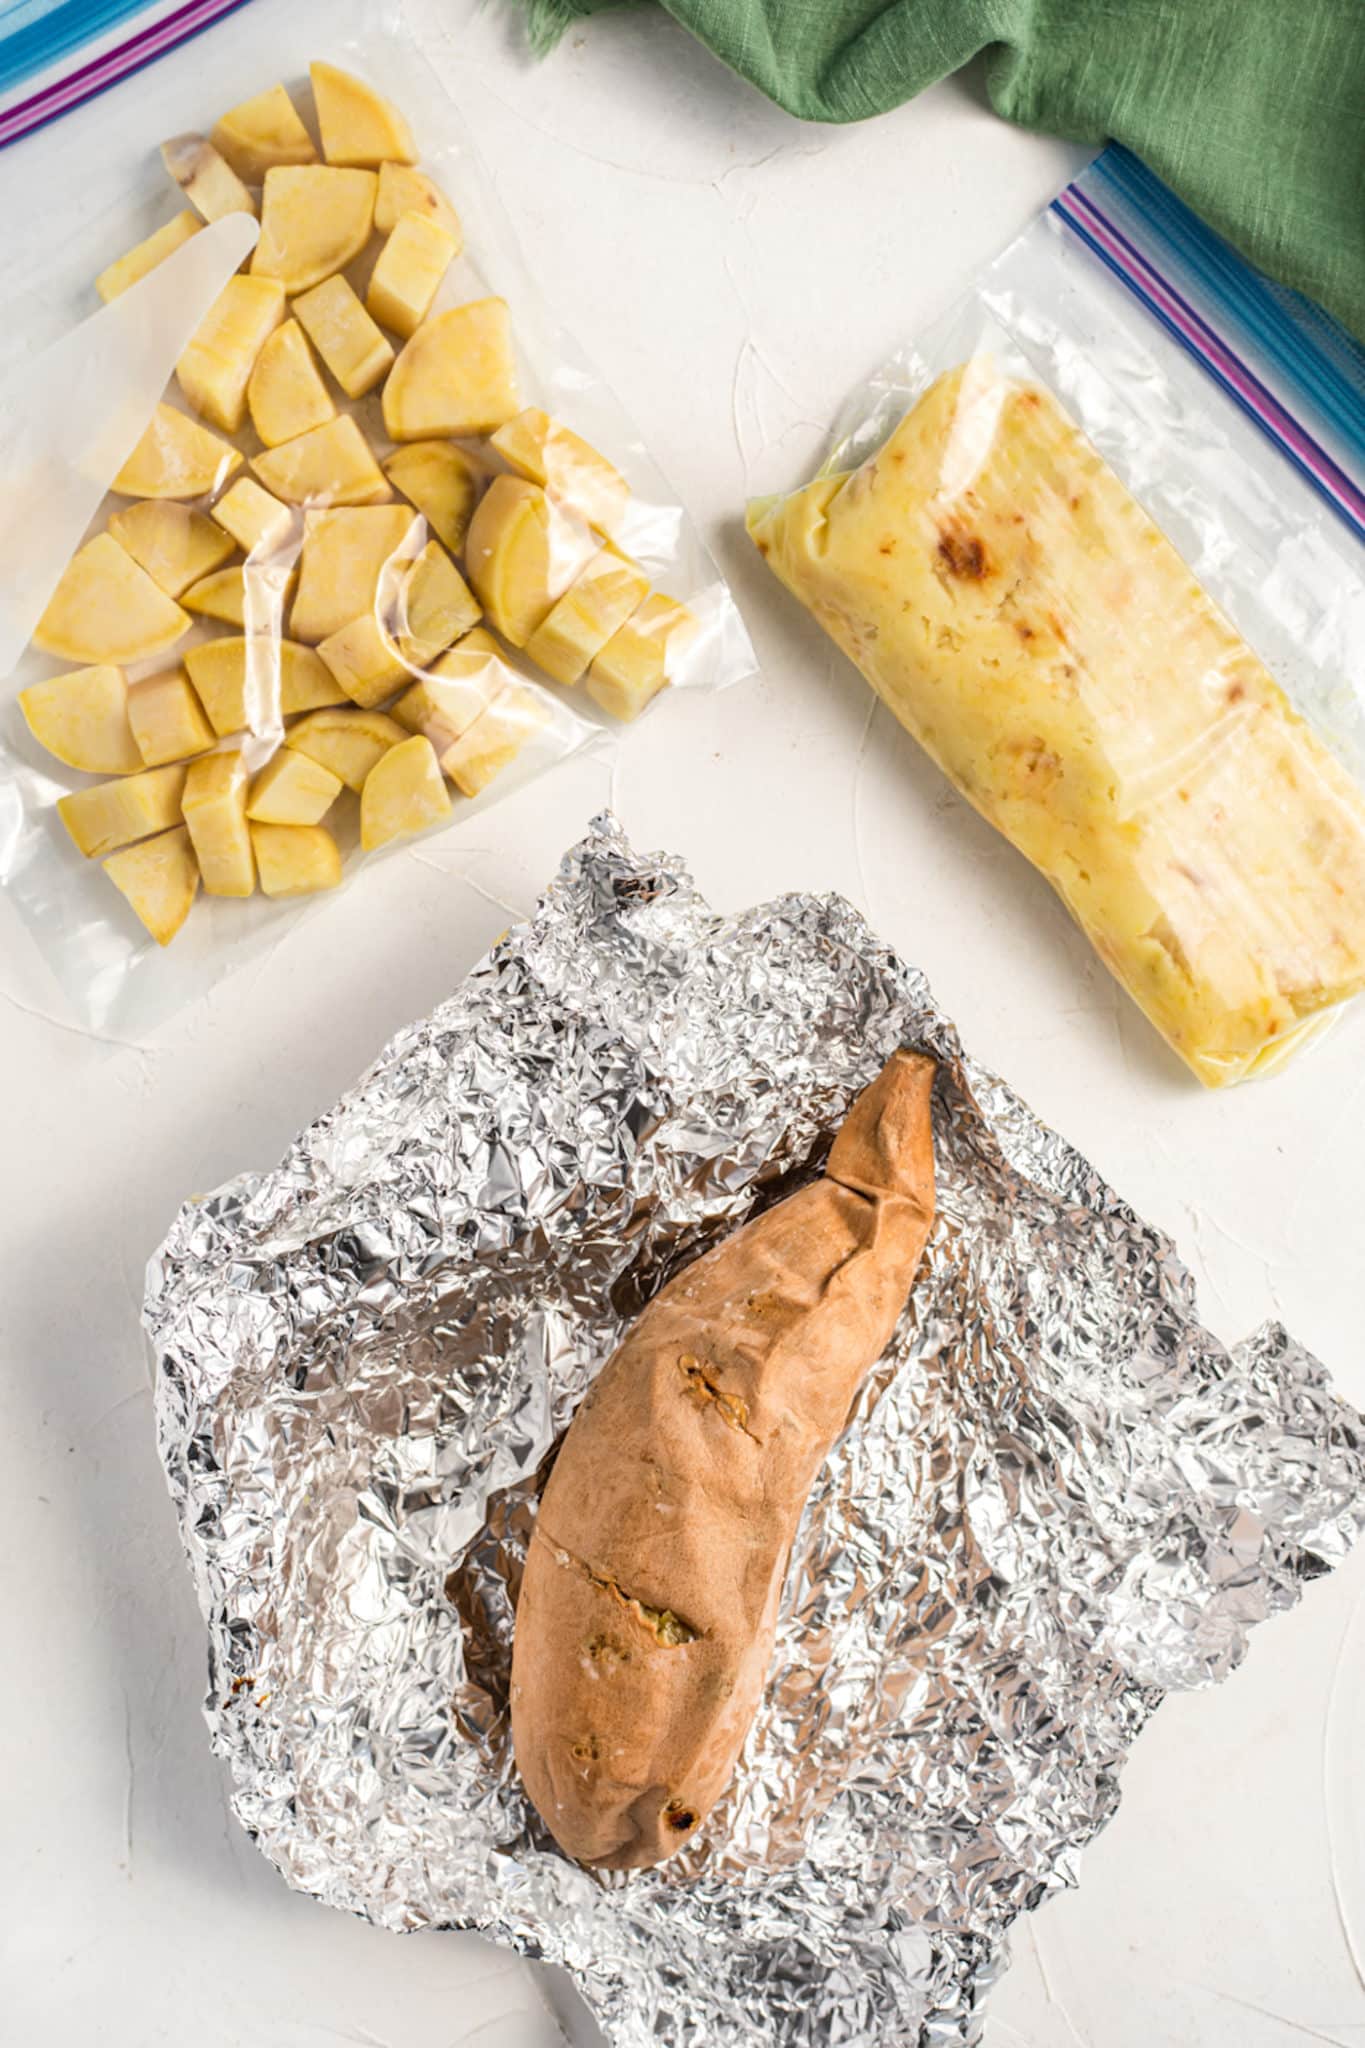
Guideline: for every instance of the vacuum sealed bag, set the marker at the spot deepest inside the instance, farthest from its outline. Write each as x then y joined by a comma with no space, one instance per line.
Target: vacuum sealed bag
319,534
1112,583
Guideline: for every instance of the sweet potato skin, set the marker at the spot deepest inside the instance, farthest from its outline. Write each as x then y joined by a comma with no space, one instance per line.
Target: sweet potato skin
649,1602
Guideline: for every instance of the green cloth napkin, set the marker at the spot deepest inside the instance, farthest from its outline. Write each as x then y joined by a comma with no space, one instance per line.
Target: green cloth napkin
1252,110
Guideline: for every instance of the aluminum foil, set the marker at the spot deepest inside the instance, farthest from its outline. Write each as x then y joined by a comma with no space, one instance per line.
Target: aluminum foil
1059,1494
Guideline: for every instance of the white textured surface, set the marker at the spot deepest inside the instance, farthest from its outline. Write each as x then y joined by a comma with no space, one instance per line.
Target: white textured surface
732,273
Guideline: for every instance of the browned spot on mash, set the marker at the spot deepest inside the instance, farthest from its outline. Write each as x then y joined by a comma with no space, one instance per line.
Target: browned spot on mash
963,554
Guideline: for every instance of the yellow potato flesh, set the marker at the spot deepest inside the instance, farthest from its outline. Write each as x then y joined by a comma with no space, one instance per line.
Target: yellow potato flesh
408,274
364,661
404,793
255,520
347,742
221,596
443,482
552,455
214,806
578,627
459,689
331,465
344,552
225,595
106,608
285,393
358,125
207,180
344,336
135,265
167,719
436,606
522,553
456,376
236,683
82,718
405,190
176,458
494,740
292,789
216,363
261,133
314,219
113,814
177,547
640,656
159,879
296,860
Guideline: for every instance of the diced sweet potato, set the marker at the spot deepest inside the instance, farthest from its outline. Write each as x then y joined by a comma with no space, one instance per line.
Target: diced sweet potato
159,879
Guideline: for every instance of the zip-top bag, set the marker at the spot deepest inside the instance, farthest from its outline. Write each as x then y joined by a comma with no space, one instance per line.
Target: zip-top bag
1096,542
321,534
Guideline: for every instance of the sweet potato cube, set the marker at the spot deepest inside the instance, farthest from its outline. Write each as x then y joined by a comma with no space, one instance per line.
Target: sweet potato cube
133,267
330,465
292,789
569,468
363,660
495,739
285,393
443,482
82,718
261,133
176,546
215,365
579,625
159,879
347,742
106,608
359,126
345,550
207,180
314,219
167,718
457,375
641,657
435,606
461,686
405,190
113,814
296,860
522,553
257,522
404,793
214,806
408,273
176,458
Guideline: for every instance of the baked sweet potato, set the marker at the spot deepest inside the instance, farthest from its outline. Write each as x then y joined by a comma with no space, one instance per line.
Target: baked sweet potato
645,1623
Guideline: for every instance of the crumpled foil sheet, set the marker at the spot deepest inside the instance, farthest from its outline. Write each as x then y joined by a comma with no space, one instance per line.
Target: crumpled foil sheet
1058,1497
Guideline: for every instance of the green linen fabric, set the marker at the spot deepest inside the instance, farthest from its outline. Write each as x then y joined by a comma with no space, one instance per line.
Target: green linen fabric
1252,110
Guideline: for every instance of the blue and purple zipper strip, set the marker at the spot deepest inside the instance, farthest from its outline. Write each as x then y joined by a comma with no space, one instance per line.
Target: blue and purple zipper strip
37,39
1289,368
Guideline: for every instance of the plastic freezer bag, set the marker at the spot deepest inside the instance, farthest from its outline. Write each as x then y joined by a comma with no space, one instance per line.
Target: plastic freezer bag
1070,659
320,532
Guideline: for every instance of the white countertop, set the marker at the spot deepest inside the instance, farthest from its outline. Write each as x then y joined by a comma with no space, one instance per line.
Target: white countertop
733,273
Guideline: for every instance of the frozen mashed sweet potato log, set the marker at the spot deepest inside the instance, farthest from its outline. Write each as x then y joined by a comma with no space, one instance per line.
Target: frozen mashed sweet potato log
649,1602
1029,624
